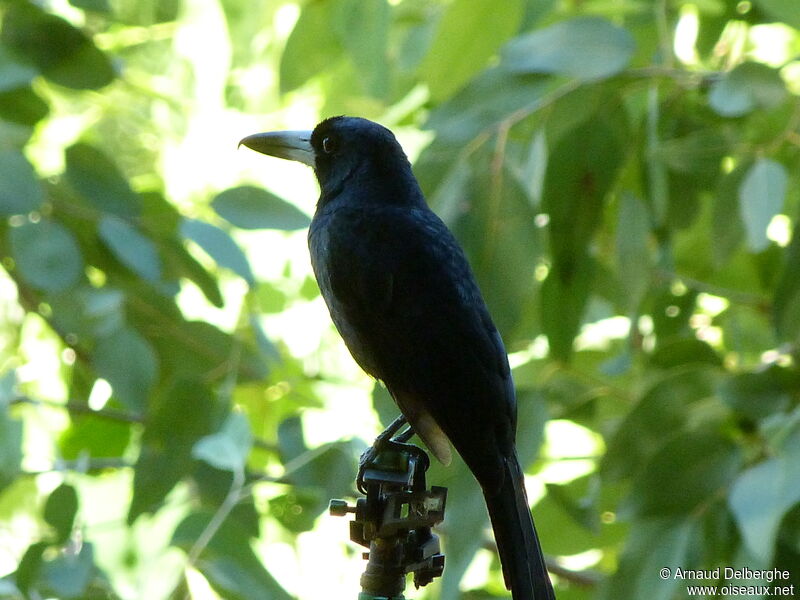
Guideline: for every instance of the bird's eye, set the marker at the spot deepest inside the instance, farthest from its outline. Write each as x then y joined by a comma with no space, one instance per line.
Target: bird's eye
329,145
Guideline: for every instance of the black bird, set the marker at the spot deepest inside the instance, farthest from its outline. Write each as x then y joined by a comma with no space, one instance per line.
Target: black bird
403,297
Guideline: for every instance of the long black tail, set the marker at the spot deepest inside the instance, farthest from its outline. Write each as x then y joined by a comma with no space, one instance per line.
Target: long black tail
517,543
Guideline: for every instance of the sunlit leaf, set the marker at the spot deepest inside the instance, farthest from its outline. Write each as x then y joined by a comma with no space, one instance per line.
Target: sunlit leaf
761,197
312,47
763,494
469,33
94,436
131,247
584,47
228,561
652,545
20,191
47,255
363,30
219,246
250,207
227,449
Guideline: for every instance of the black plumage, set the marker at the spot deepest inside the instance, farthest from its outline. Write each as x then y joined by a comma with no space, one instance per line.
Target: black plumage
402,295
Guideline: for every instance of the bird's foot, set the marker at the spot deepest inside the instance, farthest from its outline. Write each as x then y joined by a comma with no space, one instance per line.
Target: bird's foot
383,442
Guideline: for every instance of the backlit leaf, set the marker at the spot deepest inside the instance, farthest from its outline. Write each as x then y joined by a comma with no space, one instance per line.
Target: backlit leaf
763,494
469,33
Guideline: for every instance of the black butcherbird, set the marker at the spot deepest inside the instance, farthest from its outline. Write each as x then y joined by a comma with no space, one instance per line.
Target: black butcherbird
404,298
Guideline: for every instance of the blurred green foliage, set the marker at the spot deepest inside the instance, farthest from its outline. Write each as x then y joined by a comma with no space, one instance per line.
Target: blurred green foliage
624,177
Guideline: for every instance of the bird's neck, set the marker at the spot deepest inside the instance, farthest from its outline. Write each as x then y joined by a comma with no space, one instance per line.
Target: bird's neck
370,184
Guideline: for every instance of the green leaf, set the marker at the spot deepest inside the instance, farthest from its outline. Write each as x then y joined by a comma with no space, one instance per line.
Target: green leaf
633,249
228,561
580,170
787,11
96,437
762,393
99,6
584,48
497,226
96,178
178,262
312,47
127,361
684,351
469,33
179,416
763,494
22,106
30,565
228,448
761,197
134,250
220,246
20,192
485,101
726,225
563,301
297,510
13,74
363,30
660,413
69,58
653,545
250,207
697,152
69,574
10,434
787,292
47,255
745,88
689,470
60,510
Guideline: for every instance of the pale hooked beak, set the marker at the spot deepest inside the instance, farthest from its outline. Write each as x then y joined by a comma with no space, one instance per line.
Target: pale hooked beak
291,145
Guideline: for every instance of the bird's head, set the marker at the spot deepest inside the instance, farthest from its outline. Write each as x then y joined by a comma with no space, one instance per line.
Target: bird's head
336,149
